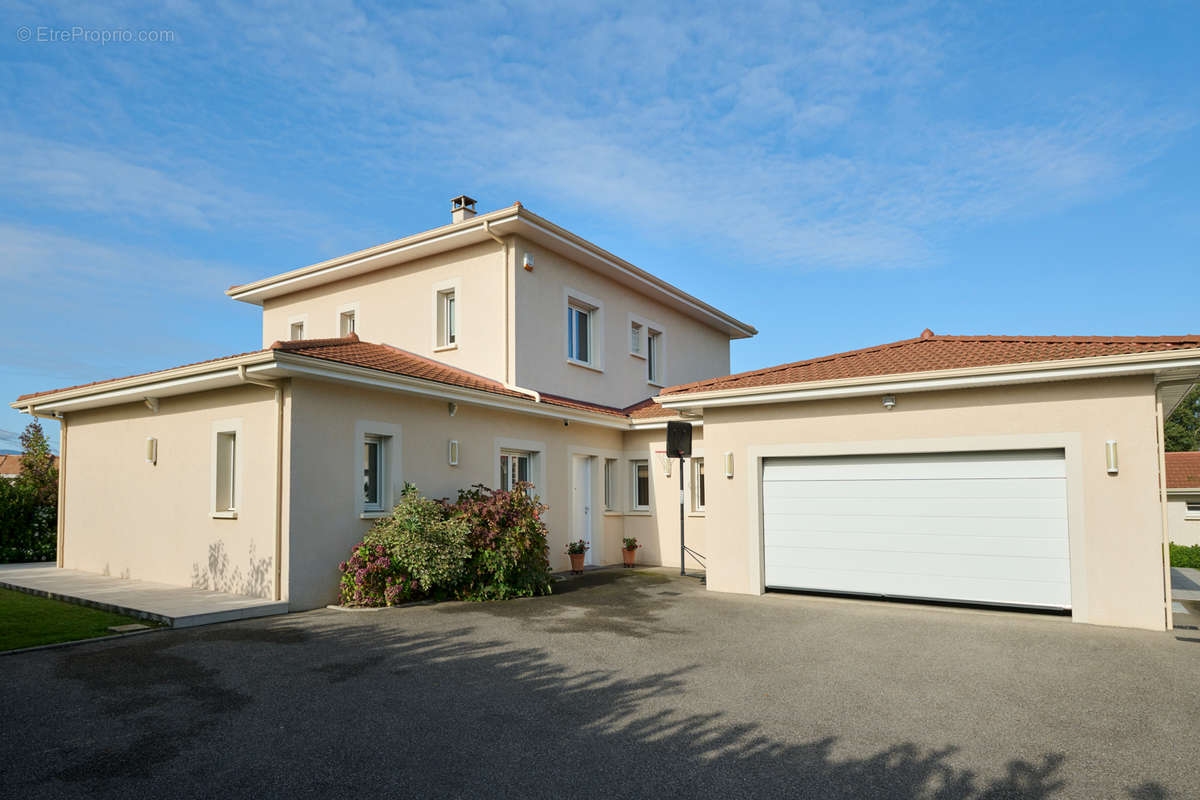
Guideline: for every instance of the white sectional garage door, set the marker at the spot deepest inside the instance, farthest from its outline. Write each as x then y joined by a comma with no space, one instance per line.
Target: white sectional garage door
974,527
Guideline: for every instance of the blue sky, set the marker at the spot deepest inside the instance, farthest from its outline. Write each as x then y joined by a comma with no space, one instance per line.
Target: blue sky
837,176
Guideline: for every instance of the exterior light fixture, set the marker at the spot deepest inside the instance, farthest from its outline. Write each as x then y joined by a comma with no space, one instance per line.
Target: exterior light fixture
729,464
1110,456
452,408
889,401
452,453
527,262
151,450
667,466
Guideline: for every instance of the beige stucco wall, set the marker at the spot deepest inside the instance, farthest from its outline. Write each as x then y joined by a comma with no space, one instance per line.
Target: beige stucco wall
658,529
1180,529
692,350
396,306
126,517
325,470
1115,526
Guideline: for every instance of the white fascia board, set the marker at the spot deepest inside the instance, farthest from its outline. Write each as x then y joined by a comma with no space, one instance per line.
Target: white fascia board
366,260
909,383
661,424
646,282
364,376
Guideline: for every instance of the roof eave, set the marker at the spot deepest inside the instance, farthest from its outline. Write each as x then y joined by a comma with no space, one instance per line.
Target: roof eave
1027,372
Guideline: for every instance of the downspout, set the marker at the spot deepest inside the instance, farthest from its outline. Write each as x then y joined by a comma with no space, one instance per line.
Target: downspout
508,375
1162,506
277,387
62,478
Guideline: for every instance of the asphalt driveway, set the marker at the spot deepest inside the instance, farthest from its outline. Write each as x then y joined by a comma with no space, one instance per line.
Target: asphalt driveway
624,685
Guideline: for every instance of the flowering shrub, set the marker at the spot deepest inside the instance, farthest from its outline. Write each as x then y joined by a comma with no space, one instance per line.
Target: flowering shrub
371,578
631,543
509,552
577,548
490,545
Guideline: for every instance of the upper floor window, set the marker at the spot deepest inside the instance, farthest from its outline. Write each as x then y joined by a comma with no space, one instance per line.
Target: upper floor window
654,357
346,323
579,333
447,319
635,338
296,331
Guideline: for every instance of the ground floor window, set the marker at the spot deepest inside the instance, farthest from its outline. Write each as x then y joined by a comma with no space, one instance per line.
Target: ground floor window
374,467
226,466
610,484
697,484
641,484
514,468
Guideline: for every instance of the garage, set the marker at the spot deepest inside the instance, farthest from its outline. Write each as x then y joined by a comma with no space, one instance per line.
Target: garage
978,527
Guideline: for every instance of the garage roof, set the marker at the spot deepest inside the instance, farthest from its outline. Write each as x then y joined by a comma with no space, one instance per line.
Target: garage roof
930,352
1183,470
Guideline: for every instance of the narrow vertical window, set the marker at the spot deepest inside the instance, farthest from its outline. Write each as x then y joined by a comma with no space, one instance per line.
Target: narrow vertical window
346,323
635,339
641,485
579,334
610,484
654,357
226,466
296,331
373,473
447,319
697,484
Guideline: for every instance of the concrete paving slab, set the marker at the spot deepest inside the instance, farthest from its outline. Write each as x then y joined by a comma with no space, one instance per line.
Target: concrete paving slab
177,606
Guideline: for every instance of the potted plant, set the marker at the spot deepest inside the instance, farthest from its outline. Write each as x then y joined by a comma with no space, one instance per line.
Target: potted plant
629,550
576,550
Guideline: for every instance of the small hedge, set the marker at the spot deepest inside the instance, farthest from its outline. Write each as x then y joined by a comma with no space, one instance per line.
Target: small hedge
489,545
1185,556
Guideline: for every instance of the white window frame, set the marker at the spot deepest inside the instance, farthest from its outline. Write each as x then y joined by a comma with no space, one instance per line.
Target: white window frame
697,467
293,321
637,347
514,457
633,484
391,477
381,467
441,337
656,359
595,311
226,427
537,460
348,310
1191,509
610,483
648,328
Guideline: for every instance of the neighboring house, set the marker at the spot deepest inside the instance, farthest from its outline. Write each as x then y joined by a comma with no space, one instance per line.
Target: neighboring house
1183,498
502,348
10,465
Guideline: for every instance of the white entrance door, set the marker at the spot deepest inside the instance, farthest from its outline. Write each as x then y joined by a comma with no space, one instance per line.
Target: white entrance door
581,502
976,527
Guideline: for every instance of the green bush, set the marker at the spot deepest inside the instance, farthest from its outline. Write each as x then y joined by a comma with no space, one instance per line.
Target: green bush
510,553
28,527
1185,556
427,540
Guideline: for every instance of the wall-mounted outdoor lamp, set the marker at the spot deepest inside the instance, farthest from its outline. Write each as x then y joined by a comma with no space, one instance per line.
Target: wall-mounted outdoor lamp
151,450
1110,456
452,453
527,262
889,401
729,464
452,408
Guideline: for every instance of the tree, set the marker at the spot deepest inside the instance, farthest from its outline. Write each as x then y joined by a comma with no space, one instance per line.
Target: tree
38,470
1181,431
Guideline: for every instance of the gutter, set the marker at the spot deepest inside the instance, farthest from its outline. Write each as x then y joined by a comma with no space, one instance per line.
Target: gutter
277,387
1031,372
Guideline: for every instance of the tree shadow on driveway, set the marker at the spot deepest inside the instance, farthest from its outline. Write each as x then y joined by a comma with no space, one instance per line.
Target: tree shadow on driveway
329,703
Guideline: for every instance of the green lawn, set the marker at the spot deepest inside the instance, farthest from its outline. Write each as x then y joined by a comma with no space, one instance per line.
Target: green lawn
27,620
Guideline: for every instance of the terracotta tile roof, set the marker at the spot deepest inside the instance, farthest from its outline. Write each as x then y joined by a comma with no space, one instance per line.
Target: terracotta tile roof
137,375
930,352
386,358
1183,470
11,464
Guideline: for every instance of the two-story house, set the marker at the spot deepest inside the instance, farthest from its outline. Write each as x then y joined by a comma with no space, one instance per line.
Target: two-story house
495,349
1020,471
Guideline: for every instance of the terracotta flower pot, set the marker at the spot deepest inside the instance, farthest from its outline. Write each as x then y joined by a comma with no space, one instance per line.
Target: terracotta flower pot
629,556
576,562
